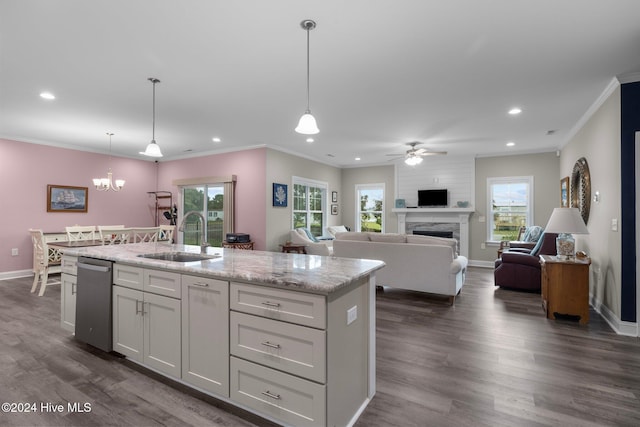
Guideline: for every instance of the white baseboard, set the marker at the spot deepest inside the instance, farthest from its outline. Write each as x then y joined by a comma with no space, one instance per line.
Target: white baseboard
483,264
15,274
620,327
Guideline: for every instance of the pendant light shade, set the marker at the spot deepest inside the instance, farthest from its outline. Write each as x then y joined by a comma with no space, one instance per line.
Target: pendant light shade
307,124
153,149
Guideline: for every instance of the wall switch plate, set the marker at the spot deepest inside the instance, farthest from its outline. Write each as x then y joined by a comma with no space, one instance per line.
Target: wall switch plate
14,252
483,246
482,219
614,224
352,314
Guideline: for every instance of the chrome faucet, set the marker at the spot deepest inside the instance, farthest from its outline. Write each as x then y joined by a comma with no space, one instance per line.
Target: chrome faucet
203,239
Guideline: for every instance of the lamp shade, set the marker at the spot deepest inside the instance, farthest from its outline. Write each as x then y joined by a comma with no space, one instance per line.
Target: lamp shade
153,150
307,124
413,160
566,220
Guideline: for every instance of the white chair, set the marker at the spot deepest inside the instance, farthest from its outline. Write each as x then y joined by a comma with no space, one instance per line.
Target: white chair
43,262
144,234
301,236
114,235
80,232
166,232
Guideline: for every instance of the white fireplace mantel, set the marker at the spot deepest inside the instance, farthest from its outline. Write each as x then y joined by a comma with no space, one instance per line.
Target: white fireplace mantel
438,215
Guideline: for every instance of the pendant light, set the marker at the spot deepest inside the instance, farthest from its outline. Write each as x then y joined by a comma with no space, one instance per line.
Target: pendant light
307,124
106,184
153,149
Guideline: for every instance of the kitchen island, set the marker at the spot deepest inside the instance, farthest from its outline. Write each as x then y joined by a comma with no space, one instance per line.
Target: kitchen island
290,337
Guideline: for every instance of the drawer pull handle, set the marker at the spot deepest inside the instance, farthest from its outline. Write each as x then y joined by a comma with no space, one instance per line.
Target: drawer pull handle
271,304
201,284
271,395
268,344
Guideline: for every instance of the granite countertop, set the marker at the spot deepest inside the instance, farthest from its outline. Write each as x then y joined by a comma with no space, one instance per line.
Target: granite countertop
306,273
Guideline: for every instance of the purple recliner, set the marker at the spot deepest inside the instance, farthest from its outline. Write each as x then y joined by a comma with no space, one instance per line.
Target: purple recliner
520,269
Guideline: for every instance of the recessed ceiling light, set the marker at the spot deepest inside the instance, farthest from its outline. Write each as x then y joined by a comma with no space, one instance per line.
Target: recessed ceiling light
515,111
309,139
47,95
510,144
216,139
357,158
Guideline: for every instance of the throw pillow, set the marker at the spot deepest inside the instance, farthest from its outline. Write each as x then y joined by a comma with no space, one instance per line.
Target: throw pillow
309,235
335,229
388,237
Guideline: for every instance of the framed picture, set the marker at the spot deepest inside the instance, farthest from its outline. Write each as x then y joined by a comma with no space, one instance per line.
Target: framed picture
279,195
334,209
564,192
63,198
334,197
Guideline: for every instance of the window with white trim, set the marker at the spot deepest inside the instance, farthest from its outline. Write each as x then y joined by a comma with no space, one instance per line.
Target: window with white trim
309,205
370,207
509,206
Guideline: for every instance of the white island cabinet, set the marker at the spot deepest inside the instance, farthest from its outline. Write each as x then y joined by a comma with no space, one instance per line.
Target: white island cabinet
289,337
146,326
68,283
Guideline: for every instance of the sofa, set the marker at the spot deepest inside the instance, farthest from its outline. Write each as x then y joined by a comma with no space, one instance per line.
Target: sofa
312,245
418,263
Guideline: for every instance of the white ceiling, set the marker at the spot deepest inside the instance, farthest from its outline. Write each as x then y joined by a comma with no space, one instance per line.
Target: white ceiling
383,73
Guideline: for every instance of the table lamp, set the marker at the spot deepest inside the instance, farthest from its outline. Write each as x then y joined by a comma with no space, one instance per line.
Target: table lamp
566,221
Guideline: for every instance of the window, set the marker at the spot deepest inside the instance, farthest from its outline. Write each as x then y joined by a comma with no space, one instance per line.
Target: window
309,205
510,206
208,200
370,204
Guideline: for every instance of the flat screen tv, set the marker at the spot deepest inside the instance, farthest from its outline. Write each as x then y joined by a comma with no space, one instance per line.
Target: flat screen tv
433,198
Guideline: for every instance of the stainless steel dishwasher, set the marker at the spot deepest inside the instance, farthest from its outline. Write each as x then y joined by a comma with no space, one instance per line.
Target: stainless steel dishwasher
93,303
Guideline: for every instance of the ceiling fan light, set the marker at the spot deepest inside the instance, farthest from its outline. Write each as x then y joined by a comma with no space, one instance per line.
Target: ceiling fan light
153,150
413,160
307,124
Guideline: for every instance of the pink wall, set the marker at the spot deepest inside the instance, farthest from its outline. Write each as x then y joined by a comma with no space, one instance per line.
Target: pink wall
251,199
25,171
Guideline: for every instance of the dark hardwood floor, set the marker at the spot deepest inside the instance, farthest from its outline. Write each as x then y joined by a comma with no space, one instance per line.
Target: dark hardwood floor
493,359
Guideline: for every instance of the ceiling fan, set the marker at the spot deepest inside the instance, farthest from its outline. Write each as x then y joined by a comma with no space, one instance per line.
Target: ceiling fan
414,155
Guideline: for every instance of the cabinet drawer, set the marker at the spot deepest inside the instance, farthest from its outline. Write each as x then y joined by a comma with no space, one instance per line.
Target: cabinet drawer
289,306
295,349
162,283
289,399
70,265
127,276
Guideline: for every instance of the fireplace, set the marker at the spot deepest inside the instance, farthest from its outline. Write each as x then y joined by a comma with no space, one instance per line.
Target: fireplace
434,233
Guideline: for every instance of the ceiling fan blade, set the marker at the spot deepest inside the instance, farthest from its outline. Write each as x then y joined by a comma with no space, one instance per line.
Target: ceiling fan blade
433,153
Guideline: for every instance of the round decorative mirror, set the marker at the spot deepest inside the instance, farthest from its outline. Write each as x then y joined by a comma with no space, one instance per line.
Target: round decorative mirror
581,188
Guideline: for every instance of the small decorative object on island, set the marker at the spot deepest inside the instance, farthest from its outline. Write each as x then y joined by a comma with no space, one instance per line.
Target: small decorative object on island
279,195
566,221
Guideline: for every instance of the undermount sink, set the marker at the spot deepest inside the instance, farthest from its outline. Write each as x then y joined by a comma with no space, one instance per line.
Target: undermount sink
179,256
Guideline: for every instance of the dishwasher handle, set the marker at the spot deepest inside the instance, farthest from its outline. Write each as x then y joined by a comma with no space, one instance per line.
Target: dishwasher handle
92,267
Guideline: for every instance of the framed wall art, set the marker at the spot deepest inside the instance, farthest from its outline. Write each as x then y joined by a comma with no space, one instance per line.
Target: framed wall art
334,209
564,192
64,198
279,195
334,197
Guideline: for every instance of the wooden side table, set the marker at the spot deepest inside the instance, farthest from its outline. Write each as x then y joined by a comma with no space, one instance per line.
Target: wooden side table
293,247
565,287
238,245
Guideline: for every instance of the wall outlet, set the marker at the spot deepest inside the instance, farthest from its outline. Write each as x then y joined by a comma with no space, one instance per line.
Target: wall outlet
14,252
483,246
614,224
482,219
352,314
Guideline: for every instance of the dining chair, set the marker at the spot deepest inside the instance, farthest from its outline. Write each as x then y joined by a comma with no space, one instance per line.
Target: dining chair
114,234
43,261
145,234
80,232
166,232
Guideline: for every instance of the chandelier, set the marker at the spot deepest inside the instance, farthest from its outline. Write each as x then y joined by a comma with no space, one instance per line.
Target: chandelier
106,184
307,124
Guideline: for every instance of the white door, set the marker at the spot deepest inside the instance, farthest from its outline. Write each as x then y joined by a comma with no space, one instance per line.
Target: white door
205,334
127,322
